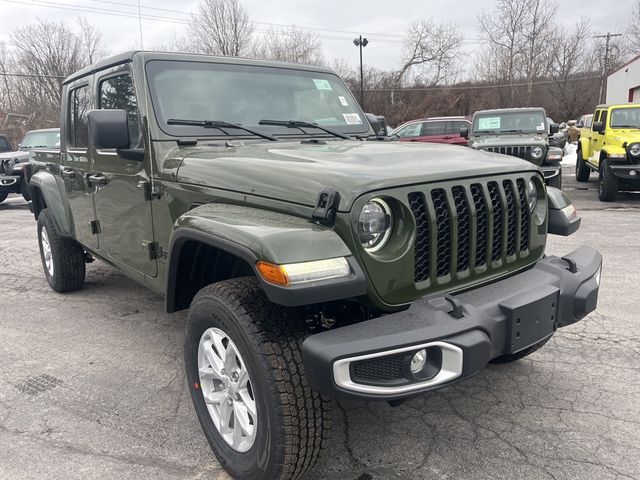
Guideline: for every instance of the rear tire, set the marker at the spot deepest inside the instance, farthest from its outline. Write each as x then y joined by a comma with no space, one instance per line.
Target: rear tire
521,354
292,422
62,258
582,170
607,183
3,196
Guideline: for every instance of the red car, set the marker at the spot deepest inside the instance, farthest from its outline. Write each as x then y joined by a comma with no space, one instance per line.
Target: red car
433,129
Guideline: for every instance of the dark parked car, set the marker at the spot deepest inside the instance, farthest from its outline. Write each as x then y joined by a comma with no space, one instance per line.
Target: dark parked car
12,164
433,130
315,260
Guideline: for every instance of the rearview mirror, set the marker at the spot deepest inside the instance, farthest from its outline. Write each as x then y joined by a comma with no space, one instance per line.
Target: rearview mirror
464,132
598,127
109,129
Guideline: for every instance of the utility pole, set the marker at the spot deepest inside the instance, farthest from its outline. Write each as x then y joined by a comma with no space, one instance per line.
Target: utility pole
361,42
605,65
140,25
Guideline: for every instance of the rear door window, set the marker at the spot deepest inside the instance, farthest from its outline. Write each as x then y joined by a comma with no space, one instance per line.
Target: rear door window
432,129
453,127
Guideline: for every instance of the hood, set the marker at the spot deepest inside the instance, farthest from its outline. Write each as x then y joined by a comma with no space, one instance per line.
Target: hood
296,172
19,155
509,140
622,136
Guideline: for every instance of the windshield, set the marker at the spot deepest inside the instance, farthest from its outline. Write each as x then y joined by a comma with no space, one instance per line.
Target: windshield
625,117
247,95
48,139
509,122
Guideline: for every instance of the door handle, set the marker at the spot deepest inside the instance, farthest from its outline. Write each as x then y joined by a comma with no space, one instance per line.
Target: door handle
99,180
67,173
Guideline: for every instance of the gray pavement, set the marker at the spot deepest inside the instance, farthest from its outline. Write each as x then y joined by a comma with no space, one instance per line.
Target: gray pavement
92,383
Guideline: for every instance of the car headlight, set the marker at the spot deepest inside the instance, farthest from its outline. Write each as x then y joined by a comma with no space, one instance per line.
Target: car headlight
537,152
634,150
532,195
374,225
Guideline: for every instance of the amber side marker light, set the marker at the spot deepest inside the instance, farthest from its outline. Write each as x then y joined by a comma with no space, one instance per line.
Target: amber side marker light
304,272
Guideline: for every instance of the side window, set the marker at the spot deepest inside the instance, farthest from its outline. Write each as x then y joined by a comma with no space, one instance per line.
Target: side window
4,145
603,117
588,120
79,102
453,127
412,130
117,93
434,128
596,118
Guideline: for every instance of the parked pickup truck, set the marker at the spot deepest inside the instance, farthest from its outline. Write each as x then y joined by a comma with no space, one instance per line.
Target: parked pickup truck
316,258
518,132
610,146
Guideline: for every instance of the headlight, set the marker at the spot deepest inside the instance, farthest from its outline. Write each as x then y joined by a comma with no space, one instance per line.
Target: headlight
537,152
634,149
532,195
374,225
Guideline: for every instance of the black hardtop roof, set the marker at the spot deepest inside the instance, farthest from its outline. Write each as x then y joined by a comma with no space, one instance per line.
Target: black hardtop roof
127,57
515,109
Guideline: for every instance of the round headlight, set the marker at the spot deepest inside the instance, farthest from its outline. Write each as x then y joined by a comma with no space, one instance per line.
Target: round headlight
537,152
634,149
374,225
532,195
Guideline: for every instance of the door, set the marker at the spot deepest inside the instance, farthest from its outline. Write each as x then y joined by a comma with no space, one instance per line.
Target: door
452,132
597,139
76,163
123,209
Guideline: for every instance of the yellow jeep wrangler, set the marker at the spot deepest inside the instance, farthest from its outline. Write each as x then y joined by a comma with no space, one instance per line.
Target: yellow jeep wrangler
611,147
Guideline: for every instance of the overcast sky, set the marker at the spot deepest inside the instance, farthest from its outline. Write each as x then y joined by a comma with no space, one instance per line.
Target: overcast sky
383,22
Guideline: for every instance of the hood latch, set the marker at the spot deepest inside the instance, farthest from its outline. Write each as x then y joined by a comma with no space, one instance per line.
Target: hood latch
326,207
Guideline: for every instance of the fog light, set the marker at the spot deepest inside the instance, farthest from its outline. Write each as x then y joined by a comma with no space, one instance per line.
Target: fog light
633,173
418,361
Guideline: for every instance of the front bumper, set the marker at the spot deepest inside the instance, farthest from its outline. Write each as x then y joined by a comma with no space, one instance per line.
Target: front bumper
460,333
627,173
551,171
10,183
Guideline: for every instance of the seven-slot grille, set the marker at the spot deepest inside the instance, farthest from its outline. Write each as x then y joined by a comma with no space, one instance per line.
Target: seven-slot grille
520,152
463,228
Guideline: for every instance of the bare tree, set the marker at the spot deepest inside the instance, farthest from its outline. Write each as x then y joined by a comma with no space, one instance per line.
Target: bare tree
290,44
430,52
538,29
221,27
633,32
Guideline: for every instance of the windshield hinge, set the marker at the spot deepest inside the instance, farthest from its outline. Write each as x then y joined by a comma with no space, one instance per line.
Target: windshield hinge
326,207
154,250
150,192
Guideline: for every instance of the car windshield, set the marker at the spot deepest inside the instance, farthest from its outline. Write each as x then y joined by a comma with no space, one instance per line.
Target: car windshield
46,139
509,122
249,94
625,117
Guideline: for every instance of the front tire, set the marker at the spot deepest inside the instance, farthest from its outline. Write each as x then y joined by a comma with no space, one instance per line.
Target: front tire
62,258
607,183
283,423
582,170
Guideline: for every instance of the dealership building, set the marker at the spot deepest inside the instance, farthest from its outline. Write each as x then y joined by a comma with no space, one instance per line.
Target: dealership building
623,85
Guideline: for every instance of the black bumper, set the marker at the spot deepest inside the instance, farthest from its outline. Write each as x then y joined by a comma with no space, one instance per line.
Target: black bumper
551,171
10,183
627,173
460,334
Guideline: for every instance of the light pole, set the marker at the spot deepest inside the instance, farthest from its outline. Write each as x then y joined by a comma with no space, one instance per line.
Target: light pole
361,43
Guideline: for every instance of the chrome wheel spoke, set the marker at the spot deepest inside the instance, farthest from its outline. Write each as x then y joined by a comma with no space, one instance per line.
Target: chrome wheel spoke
216,365
241,417
249,403
214,397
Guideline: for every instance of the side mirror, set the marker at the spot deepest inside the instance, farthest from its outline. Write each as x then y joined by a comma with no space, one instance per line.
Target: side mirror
598,127
464,132
563,218
109,129
579,125
553,128
378,123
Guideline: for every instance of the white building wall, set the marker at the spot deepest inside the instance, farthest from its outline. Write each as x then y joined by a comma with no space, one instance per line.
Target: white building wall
620,83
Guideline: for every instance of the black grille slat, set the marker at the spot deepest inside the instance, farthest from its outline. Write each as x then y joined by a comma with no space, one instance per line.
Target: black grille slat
498,221
443,225
418,206
464,228
383,369
520,152
482,231
524,215
511,217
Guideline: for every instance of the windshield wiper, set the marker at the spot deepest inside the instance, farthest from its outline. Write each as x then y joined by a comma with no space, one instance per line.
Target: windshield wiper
303,124
513,130
485,131
220,126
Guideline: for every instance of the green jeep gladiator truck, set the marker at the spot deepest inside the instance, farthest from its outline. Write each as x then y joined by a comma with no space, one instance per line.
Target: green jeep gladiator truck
315,258
518,132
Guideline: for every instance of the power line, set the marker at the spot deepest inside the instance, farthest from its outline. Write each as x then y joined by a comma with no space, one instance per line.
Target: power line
32,75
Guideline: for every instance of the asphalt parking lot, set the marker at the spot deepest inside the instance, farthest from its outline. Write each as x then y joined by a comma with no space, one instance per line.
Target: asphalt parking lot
92,383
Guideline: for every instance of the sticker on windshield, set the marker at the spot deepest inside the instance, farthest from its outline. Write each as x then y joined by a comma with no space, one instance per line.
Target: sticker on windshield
540,128
343,101
489,123
322,84
352,118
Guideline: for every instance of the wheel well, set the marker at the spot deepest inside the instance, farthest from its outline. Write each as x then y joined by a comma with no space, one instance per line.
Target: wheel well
199,265
37,201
